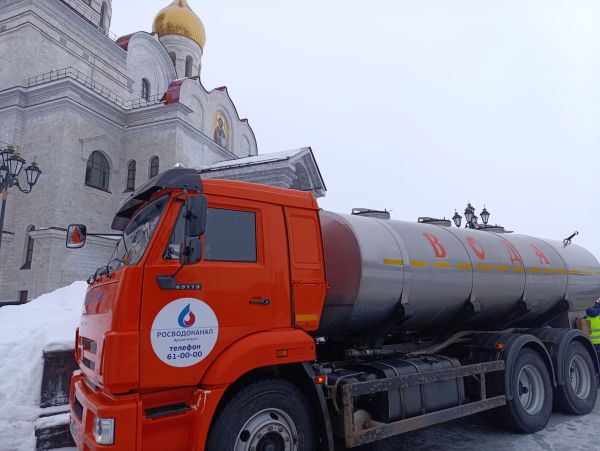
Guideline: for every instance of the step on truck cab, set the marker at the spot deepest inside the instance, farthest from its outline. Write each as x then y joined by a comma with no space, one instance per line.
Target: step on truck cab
216,326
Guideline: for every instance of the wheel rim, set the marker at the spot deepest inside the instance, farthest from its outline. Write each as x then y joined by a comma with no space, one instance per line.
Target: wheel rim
532,393
579,377
268,430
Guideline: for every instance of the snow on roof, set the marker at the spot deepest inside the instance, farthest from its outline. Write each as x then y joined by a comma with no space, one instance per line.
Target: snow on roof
45,324
257,159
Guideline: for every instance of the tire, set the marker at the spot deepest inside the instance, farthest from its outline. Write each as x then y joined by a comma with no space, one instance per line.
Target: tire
531,406
578,395
270,414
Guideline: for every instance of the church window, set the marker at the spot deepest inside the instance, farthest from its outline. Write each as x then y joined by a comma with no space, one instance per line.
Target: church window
131,176
173,58
145,89
188,66
154,166
97,172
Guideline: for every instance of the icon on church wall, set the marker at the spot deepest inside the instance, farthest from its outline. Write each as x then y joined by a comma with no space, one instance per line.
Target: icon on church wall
221,129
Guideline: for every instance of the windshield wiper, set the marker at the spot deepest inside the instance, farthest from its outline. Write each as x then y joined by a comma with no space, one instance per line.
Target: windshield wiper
94,276
118,260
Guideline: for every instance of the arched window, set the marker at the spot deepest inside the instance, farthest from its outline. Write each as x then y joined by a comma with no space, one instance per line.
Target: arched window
97,172
188,66
173,59
29,242
145,89
131,176
154,166
103,24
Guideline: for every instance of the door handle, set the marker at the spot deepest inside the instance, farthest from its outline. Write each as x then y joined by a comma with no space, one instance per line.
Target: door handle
260,301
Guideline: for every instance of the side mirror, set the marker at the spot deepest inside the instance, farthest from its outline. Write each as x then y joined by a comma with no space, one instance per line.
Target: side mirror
191,251
76,236
195,216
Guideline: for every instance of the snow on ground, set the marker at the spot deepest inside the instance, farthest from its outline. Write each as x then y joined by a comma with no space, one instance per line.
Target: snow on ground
45,324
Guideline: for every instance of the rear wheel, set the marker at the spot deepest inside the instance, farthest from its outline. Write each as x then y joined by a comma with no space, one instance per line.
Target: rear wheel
531,406
270,415
578,395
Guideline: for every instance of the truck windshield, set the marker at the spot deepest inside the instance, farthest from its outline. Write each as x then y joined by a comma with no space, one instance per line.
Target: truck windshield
137,235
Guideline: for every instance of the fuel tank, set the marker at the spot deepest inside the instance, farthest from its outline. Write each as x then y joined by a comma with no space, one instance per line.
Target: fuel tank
396,275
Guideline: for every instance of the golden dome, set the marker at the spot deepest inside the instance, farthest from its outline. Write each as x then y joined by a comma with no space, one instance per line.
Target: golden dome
178,18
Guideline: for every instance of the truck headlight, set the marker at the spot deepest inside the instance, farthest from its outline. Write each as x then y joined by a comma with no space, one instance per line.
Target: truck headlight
104,431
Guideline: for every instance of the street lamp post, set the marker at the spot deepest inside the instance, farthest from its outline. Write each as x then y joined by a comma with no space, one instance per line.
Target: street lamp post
470,217
11,164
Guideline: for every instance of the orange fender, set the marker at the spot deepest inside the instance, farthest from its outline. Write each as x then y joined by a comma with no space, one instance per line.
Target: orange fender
276,347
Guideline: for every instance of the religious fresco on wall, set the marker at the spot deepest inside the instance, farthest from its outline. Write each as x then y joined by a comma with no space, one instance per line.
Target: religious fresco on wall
221,130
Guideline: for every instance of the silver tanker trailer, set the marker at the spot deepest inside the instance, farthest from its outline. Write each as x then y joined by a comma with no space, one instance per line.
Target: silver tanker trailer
433,272
424,323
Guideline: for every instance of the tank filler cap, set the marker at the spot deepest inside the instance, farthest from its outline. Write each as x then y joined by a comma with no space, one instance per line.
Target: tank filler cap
379,214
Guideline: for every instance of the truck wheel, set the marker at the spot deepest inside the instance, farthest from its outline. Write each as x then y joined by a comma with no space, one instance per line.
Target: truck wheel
270,415
578,395
531,406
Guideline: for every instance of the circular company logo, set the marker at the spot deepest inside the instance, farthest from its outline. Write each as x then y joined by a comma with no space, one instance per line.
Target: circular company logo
184,332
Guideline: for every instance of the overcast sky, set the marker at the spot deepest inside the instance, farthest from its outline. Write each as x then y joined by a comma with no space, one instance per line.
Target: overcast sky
420,106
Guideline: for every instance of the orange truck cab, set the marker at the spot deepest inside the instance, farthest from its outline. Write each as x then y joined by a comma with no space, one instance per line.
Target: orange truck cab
205,290
213,326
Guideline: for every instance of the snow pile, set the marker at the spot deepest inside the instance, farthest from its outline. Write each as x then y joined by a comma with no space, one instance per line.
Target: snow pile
46,324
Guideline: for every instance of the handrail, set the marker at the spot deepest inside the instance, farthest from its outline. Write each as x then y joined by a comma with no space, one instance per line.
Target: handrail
98,88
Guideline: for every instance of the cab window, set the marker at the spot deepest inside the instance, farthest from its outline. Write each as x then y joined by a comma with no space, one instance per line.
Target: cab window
230,236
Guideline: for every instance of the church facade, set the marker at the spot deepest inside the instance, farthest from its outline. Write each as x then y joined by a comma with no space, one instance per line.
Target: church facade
102,115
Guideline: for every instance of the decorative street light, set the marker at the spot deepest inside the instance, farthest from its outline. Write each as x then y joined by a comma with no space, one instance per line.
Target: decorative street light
485,215
469,213
470,217
11,164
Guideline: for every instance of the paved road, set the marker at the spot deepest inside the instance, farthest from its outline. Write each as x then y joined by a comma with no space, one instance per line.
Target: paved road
563,433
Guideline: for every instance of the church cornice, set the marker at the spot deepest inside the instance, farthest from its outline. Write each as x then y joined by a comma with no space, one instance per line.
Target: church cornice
171,123
57,20
68,93
68,16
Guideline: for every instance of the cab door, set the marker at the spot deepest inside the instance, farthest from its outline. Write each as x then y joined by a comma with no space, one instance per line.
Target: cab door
240,287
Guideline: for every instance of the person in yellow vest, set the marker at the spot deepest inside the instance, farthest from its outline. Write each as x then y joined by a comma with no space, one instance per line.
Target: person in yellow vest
593,314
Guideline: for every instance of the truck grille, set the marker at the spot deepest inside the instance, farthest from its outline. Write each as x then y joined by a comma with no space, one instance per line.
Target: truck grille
77,408
87,362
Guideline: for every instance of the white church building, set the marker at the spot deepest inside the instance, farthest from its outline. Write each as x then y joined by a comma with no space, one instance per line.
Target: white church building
102,115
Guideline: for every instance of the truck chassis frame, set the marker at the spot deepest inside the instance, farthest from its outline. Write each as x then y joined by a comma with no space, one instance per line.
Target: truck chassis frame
377,431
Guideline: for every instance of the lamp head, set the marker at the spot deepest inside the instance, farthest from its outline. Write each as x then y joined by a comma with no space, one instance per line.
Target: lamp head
485,215
33,173
15,164
457,219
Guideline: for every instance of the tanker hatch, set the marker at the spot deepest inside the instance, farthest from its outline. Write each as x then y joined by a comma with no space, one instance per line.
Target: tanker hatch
379,214
434,221
494,229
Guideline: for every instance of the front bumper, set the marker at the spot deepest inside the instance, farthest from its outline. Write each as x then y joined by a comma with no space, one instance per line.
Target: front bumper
87,404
